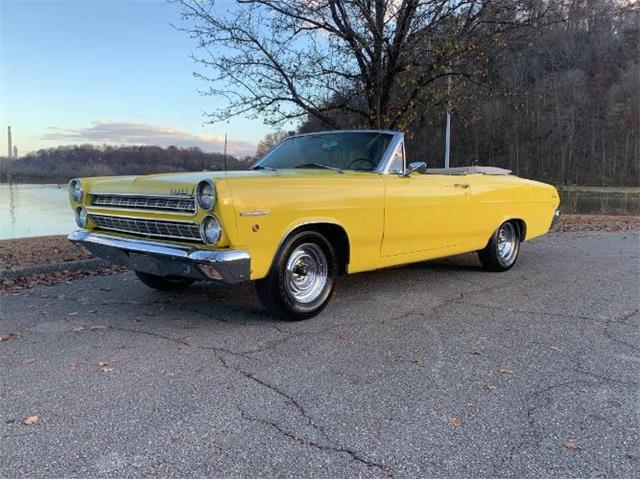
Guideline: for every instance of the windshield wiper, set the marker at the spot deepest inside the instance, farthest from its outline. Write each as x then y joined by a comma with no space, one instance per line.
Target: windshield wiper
260,167
319,165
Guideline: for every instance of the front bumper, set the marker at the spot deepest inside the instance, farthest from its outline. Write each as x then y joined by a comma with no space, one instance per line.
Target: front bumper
165,259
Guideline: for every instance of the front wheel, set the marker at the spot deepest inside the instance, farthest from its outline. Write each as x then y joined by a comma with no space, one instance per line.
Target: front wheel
300,282
164,284
502,250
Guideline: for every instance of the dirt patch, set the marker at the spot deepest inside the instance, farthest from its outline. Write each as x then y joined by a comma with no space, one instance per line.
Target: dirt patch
25,252
598,223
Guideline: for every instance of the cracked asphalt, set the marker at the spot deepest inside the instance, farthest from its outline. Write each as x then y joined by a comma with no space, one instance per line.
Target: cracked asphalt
437,369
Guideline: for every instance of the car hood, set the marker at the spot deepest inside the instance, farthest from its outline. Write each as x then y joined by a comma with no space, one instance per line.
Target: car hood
185,183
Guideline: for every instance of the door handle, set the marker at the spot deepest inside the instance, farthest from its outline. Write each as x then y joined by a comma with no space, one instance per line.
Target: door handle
461,185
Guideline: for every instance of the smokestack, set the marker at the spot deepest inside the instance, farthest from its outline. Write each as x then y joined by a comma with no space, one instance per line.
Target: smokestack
9,141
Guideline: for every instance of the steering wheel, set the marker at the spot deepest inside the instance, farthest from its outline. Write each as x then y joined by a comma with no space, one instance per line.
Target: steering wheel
361,159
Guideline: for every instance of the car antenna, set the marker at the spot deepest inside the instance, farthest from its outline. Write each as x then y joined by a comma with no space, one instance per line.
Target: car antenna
225,153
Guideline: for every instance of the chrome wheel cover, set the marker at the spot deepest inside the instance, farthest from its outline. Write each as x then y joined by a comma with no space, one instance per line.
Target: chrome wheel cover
306,273
507,244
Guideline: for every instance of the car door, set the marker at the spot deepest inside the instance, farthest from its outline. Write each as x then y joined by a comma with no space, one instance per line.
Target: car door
425,212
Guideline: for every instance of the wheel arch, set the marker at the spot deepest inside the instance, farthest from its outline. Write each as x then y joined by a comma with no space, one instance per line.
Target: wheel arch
332,231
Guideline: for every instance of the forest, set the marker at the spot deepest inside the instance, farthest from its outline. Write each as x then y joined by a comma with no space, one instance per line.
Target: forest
66,162
560,103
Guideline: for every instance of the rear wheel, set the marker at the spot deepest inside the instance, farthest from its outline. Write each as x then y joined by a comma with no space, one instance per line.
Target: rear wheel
503,248
300,282
164,284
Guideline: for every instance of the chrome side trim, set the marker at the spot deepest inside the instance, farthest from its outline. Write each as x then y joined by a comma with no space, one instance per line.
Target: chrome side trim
254,213
165,259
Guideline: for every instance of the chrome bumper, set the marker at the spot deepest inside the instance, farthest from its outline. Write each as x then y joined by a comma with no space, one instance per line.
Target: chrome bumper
165,259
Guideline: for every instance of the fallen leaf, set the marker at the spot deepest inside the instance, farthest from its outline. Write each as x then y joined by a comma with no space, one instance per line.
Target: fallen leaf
419,361
29,361
584,390
456,422
478,350
78,366
471,406
572,445
32,420
343,336
492,388
506,371
633,456
105,367
557,349
8,336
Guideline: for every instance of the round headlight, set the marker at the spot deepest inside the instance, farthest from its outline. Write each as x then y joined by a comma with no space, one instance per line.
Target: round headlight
75,190
81,217
210,230
206,195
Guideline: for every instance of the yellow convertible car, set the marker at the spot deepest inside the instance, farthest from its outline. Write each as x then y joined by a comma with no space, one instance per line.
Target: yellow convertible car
315,206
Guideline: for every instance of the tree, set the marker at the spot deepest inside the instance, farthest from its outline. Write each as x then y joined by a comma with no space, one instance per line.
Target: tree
269,141
372,60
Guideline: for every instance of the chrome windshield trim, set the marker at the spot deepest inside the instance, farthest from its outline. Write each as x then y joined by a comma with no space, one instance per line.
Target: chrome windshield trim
383,165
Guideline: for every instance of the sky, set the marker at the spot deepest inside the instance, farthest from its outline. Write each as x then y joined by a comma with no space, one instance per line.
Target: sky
106,71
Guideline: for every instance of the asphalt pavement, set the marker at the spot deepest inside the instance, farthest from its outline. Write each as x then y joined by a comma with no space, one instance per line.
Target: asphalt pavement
436,369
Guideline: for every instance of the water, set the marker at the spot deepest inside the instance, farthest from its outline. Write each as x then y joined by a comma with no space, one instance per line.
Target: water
31,210
34,210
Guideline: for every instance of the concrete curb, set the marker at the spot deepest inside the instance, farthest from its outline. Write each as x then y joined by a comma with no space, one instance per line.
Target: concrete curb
74,266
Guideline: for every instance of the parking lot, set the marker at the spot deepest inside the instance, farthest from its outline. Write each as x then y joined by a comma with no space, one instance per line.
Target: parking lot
437,369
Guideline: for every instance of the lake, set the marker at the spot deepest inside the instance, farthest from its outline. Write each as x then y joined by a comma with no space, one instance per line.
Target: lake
32,210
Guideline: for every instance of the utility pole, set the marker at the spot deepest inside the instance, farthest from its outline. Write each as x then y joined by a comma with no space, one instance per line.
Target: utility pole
447,135
9,142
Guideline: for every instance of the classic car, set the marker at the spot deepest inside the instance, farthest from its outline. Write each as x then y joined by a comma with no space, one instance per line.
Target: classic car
314,207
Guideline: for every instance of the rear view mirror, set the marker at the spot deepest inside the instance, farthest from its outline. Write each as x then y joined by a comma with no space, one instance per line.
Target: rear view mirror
420,167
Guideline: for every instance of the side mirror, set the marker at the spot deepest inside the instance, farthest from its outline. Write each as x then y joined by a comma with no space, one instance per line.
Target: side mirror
415,167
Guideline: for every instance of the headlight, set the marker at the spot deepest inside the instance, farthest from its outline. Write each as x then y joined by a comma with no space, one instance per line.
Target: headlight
210,230
81,217
206,195
75,190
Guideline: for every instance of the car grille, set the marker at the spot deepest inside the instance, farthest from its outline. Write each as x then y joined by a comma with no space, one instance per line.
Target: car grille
154,228
187,204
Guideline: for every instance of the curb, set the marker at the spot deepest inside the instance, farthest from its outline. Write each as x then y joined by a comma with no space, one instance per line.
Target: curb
73,266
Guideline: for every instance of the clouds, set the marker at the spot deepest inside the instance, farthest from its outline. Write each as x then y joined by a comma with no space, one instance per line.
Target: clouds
118,133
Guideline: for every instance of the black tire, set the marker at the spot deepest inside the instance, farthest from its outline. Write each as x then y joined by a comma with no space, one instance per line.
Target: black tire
503,248
277,291
164,284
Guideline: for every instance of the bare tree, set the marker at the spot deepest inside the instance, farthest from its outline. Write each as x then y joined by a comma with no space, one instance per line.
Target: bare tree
284,60
269,141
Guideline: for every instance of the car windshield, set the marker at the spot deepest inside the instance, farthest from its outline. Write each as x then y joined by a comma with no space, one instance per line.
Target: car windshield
360,151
